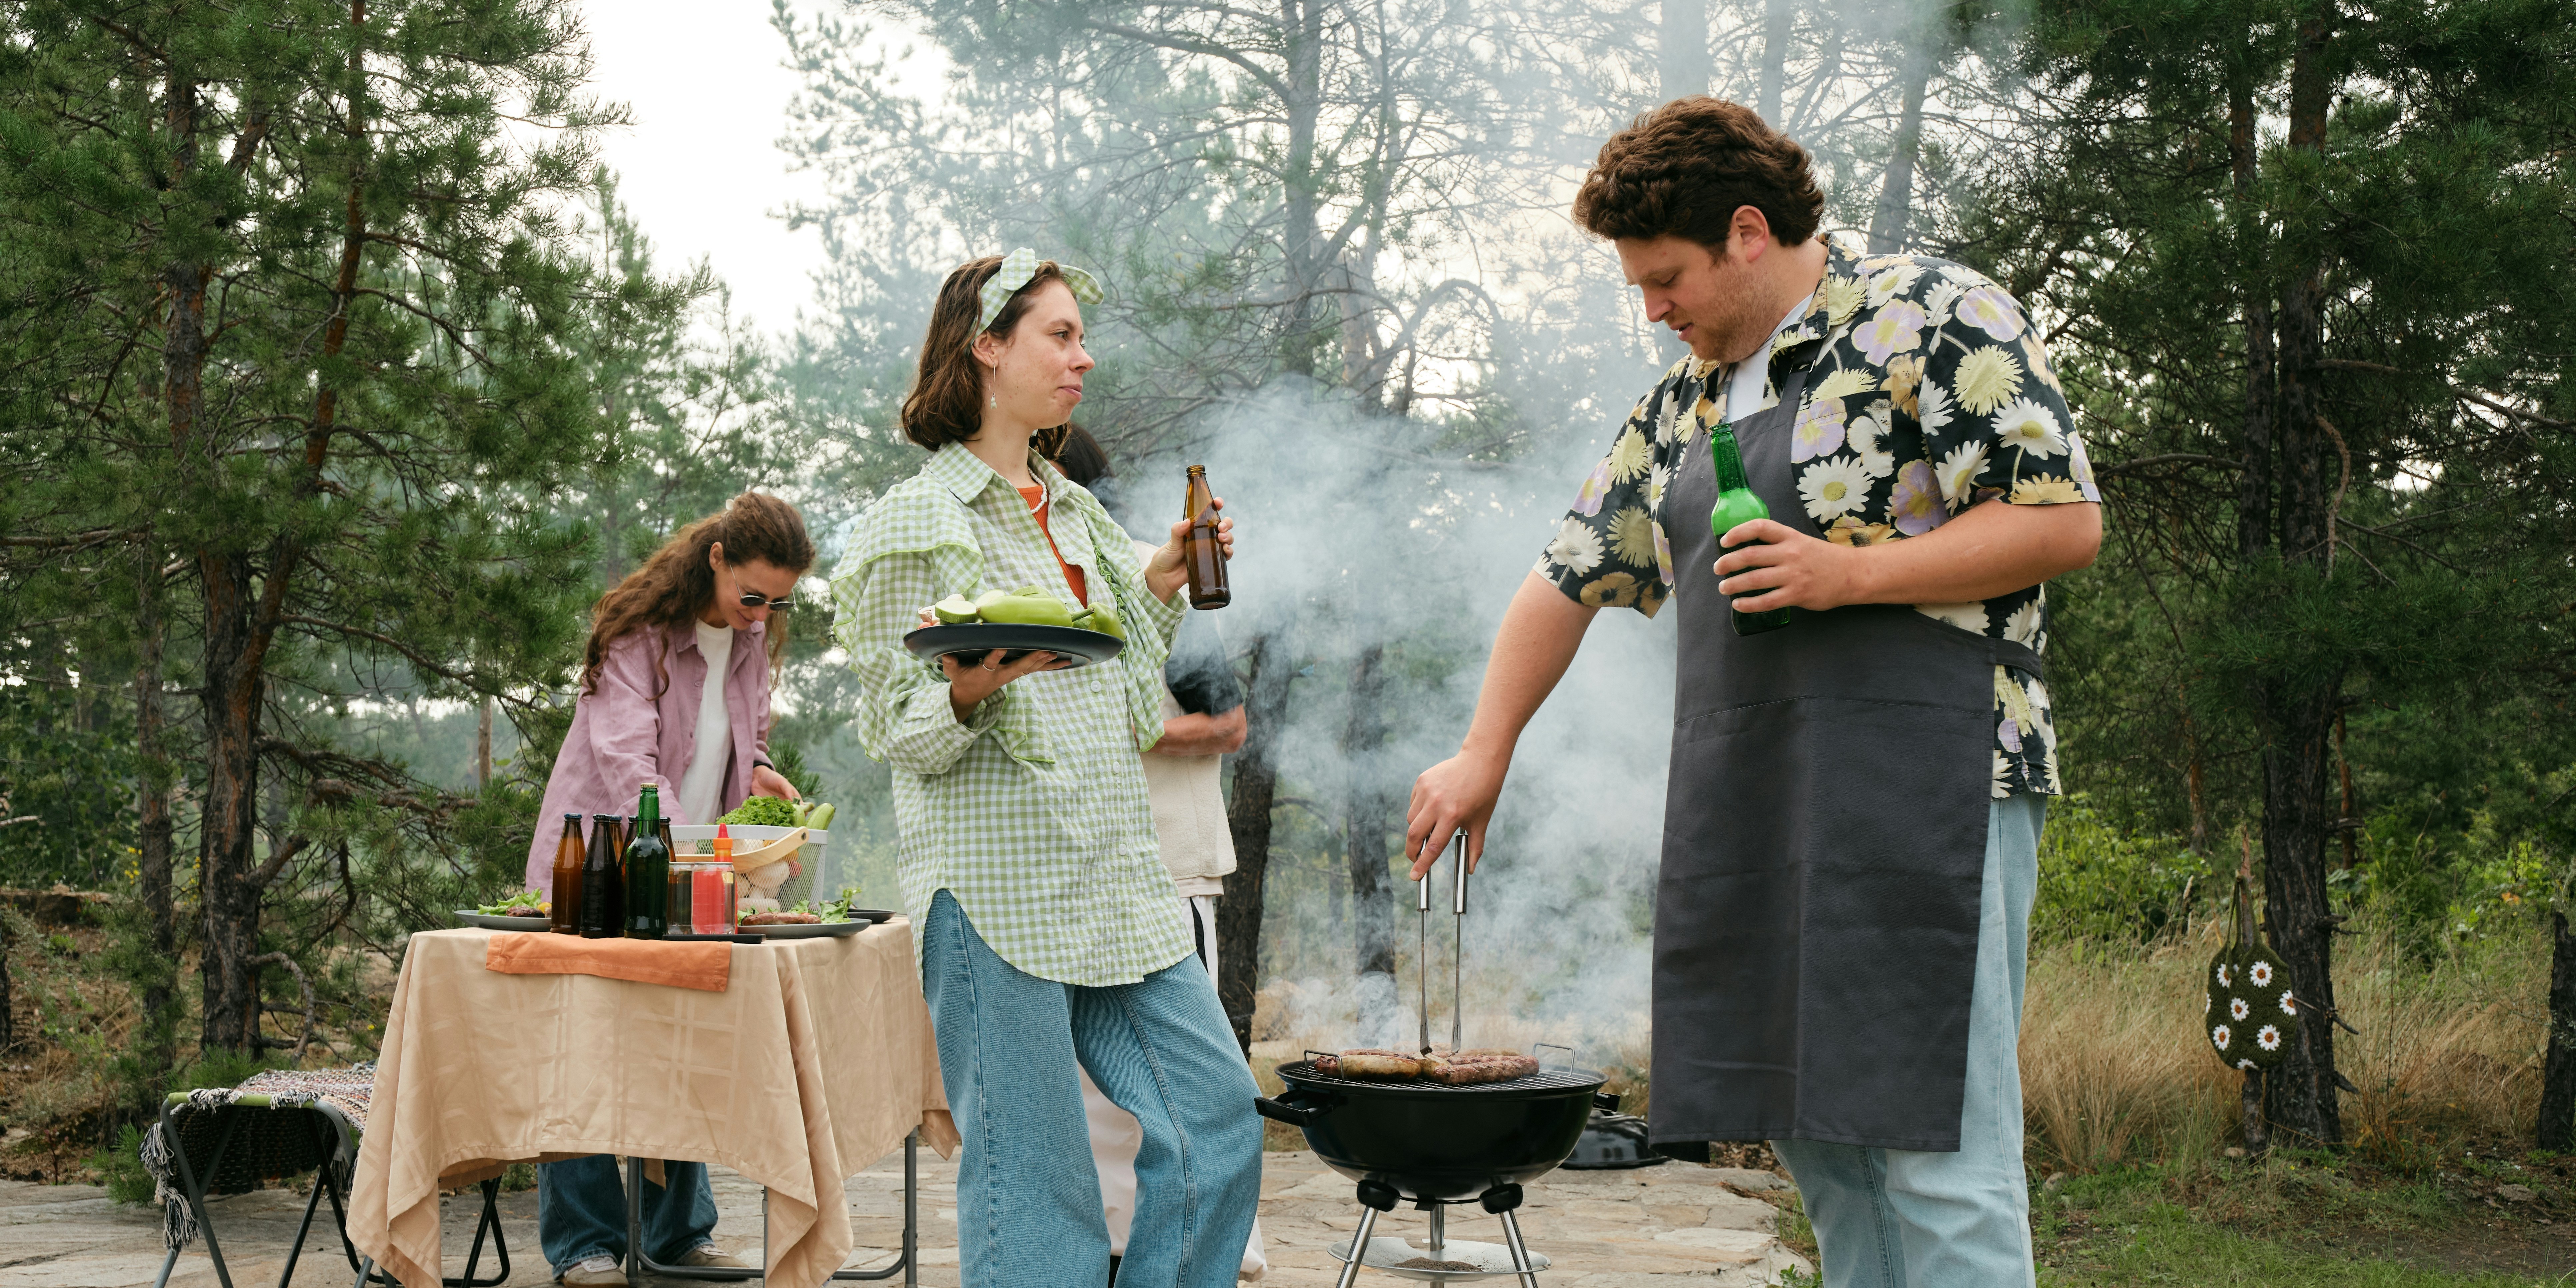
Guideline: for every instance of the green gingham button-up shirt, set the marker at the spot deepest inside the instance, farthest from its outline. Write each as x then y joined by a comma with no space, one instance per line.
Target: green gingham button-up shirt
1032,814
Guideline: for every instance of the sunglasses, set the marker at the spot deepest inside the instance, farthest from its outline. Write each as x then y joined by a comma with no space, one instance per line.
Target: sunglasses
754,599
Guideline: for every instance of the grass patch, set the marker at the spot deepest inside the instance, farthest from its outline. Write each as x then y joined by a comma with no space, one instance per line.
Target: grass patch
2115,1072
2307,1219
2167,1245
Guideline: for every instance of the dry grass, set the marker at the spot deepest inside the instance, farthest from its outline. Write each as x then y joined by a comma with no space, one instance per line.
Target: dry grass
2114,1069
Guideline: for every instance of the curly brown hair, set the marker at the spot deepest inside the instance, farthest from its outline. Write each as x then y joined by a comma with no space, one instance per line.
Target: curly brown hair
1684,169
676,584
946,404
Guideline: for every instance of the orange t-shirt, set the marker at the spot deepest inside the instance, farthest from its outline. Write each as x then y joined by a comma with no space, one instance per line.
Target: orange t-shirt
1030,496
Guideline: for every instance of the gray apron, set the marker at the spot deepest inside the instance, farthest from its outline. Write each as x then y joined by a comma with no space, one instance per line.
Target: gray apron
1824,845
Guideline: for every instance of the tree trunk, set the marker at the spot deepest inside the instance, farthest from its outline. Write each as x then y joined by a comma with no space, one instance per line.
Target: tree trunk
238,631
1887,224
483,744
228,894
1268,668
230,695
1303,23
2557,1129
2295,718
1682,49
2257,1137
157,1043
1365,807
1777,24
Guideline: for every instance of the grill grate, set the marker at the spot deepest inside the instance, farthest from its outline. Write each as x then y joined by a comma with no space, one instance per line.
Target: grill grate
1544,1080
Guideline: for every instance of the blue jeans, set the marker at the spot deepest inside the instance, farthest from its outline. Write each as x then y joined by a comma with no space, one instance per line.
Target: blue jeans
1028,1199
581,1211
1895,1218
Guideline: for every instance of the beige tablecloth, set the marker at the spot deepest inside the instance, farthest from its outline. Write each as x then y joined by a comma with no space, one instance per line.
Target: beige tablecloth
814,1062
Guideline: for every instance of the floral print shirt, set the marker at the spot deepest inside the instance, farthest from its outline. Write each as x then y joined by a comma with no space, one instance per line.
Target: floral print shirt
1928,391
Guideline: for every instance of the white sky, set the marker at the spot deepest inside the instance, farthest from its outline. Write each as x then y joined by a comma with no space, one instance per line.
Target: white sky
701,166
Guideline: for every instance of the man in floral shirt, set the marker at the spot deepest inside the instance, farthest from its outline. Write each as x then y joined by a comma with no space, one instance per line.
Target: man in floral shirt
1929,392
1825,909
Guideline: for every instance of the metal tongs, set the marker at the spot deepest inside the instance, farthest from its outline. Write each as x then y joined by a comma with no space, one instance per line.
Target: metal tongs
1457,946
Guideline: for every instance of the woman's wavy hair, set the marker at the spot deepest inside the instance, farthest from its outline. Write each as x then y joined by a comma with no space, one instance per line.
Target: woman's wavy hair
1684,169
676,584
946,404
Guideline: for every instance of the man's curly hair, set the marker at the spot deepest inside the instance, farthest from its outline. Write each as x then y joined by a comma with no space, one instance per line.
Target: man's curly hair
1683,169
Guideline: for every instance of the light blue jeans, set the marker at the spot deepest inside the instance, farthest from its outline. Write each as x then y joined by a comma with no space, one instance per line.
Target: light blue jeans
1897,1218
581,1211
1028,1199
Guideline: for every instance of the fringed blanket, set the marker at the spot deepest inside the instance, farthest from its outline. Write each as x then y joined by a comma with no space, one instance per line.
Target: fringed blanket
263,1147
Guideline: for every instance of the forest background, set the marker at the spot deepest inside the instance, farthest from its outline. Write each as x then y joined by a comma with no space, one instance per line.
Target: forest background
340,383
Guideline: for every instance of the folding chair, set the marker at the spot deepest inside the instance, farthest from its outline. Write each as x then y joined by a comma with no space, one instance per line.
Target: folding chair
225,1140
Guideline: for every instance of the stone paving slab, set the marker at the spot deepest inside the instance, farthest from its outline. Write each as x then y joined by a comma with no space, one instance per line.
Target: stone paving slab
1673,1226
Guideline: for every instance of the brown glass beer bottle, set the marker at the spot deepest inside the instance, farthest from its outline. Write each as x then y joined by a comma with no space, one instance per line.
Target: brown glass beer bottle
602,886
565,918
1202,554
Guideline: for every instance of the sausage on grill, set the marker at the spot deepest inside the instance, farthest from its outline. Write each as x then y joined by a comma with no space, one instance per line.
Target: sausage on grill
1376,1064
1478,1065
1370,1064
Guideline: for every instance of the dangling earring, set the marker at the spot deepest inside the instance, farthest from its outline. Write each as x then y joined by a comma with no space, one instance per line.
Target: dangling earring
992,400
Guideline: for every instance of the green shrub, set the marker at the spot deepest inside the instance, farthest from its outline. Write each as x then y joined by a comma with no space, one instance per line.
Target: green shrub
2099,883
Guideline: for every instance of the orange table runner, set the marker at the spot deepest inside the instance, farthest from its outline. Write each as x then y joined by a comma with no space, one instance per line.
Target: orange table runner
814,1062
645,961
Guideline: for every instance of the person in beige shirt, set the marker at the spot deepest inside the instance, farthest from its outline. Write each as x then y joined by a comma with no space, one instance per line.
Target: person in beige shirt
1203,722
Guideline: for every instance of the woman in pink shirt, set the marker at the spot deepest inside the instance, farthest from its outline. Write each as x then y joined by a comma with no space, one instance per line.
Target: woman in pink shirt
674,692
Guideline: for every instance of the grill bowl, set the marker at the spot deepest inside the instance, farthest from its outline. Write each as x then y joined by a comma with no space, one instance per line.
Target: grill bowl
1430,1140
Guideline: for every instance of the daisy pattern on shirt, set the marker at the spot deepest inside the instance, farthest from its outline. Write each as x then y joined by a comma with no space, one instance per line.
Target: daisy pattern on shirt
1927,392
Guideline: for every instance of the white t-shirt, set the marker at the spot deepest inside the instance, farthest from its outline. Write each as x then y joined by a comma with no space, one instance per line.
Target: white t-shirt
1744,388
713,746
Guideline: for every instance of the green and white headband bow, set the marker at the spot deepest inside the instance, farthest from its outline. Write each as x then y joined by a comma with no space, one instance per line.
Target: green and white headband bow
1016,270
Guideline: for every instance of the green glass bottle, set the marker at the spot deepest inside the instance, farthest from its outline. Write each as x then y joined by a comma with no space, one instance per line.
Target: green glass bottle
648,871
1737,503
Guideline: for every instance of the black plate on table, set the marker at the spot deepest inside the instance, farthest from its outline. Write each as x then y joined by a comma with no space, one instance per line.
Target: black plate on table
1072,645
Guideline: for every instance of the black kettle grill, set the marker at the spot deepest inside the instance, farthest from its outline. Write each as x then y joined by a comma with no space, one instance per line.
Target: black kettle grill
1433,1144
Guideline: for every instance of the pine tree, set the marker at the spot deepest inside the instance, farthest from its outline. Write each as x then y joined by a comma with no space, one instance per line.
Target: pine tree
2325,371
290,283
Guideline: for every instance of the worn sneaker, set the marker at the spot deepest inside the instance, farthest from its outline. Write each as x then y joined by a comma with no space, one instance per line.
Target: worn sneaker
601,1271
708,1254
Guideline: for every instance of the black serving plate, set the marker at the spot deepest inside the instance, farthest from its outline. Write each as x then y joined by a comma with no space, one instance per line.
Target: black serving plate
1072,645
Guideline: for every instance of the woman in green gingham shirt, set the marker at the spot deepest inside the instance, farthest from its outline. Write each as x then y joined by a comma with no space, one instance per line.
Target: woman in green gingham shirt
1048,930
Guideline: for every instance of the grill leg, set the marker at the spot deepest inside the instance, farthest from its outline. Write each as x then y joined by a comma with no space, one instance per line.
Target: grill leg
1520,1253
1359,1248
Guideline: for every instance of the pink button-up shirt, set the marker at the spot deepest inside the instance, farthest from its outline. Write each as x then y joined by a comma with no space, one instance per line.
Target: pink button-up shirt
625,735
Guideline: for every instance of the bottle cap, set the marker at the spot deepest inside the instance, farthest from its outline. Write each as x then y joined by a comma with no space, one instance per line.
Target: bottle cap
723,845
